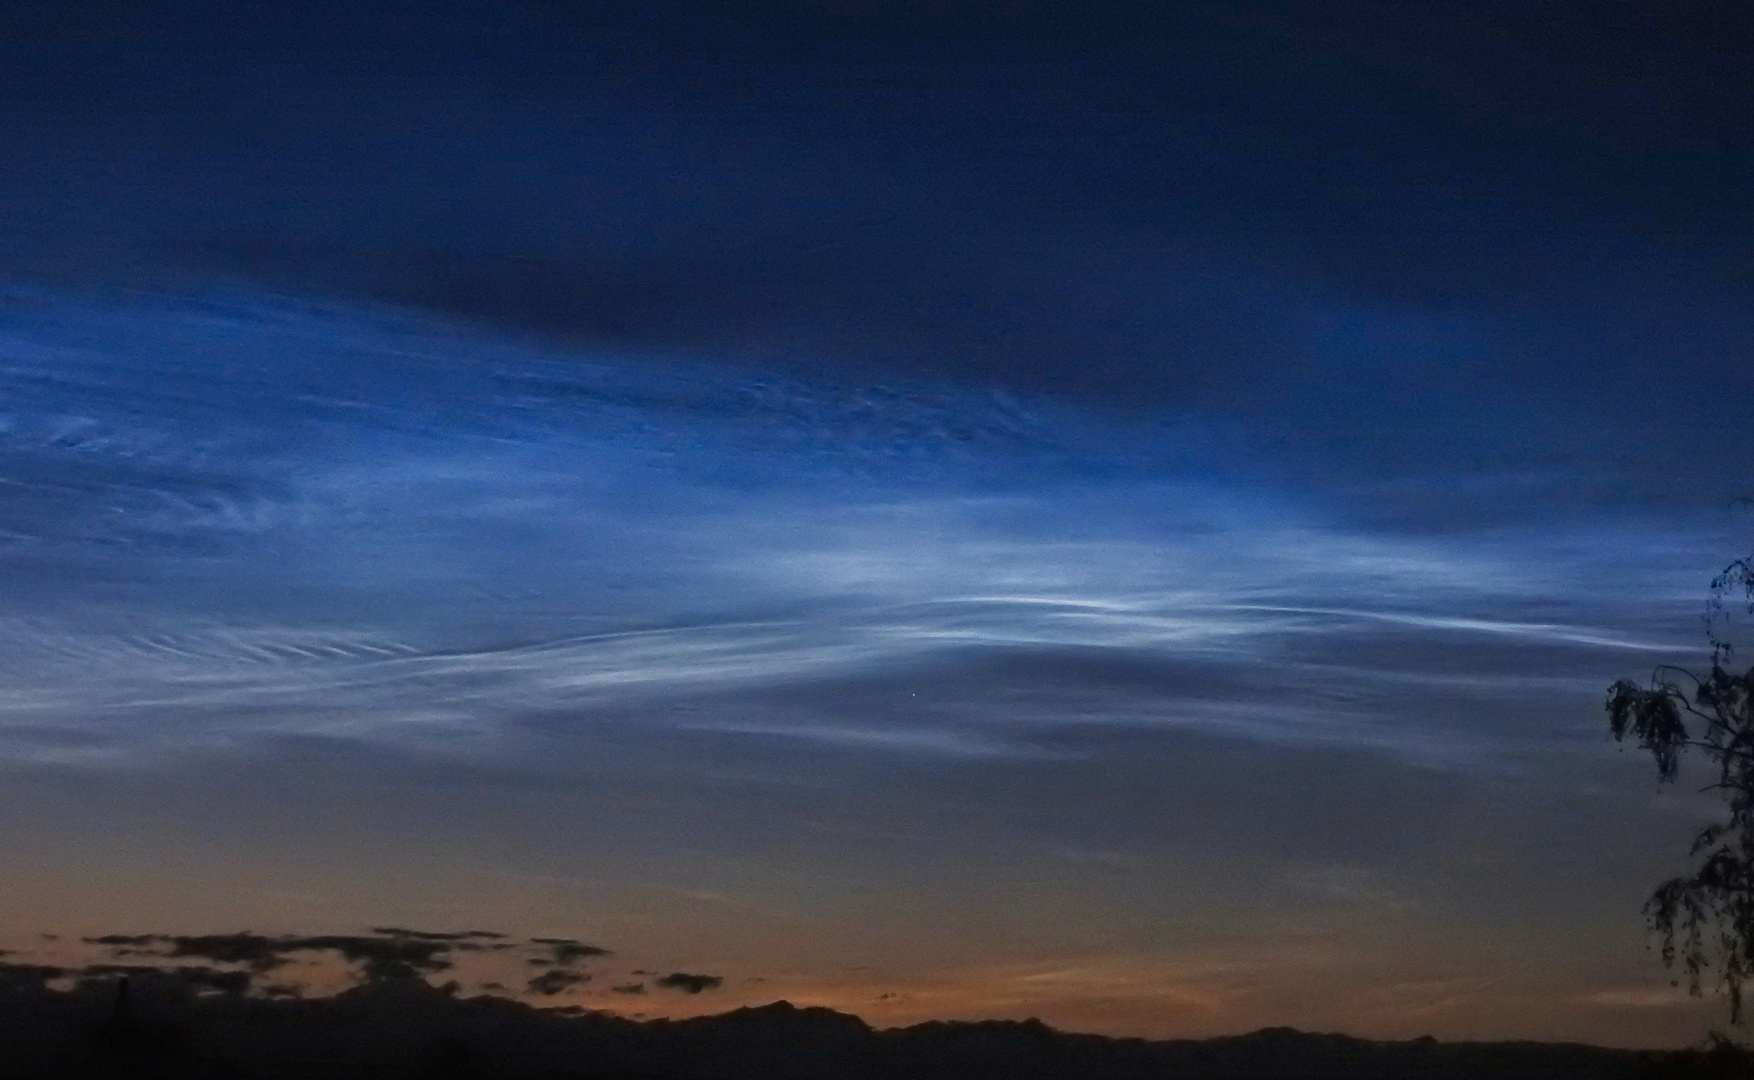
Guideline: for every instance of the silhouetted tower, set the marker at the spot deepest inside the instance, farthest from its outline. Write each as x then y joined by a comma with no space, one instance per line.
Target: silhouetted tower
123,1018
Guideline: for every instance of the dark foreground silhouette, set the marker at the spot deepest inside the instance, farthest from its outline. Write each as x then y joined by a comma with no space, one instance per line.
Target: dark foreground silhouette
404,1027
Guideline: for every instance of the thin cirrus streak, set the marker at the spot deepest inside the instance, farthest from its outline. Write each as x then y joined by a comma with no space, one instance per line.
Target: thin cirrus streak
240,515
1548,632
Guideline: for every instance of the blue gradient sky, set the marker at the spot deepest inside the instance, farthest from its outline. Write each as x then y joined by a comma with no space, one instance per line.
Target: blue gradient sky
940,511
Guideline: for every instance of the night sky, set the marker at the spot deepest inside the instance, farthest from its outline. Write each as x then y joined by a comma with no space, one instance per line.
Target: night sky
1117,513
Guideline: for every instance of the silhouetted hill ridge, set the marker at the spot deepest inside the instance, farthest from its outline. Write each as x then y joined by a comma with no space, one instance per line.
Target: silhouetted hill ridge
407,1028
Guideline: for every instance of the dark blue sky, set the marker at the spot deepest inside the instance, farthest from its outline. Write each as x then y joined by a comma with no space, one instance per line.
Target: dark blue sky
1121,513
1179,209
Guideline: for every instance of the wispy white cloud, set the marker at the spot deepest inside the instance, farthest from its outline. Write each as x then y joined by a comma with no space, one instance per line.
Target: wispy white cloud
330,521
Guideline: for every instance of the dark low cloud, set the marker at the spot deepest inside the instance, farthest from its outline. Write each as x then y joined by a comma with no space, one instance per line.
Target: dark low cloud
386,953
553,982
568,951
688,983
283,991
428,935
257,951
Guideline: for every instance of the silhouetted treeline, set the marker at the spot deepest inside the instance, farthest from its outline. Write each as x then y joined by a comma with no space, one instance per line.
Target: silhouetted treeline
162,1026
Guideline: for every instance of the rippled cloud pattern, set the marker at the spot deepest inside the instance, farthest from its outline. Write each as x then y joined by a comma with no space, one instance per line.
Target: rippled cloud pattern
237,515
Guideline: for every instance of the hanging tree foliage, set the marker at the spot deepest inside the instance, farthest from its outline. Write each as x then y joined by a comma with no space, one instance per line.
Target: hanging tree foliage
1705,919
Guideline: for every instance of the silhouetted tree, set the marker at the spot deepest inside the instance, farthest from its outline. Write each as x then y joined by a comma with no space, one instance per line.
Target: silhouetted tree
1706,917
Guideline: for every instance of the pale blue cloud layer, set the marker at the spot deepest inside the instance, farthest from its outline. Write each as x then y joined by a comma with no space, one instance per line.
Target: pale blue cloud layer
232,515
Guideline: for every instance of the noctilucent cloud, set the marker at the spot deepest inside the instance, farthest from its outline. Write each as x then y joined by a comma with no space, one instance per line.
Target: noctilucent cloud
1125,518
